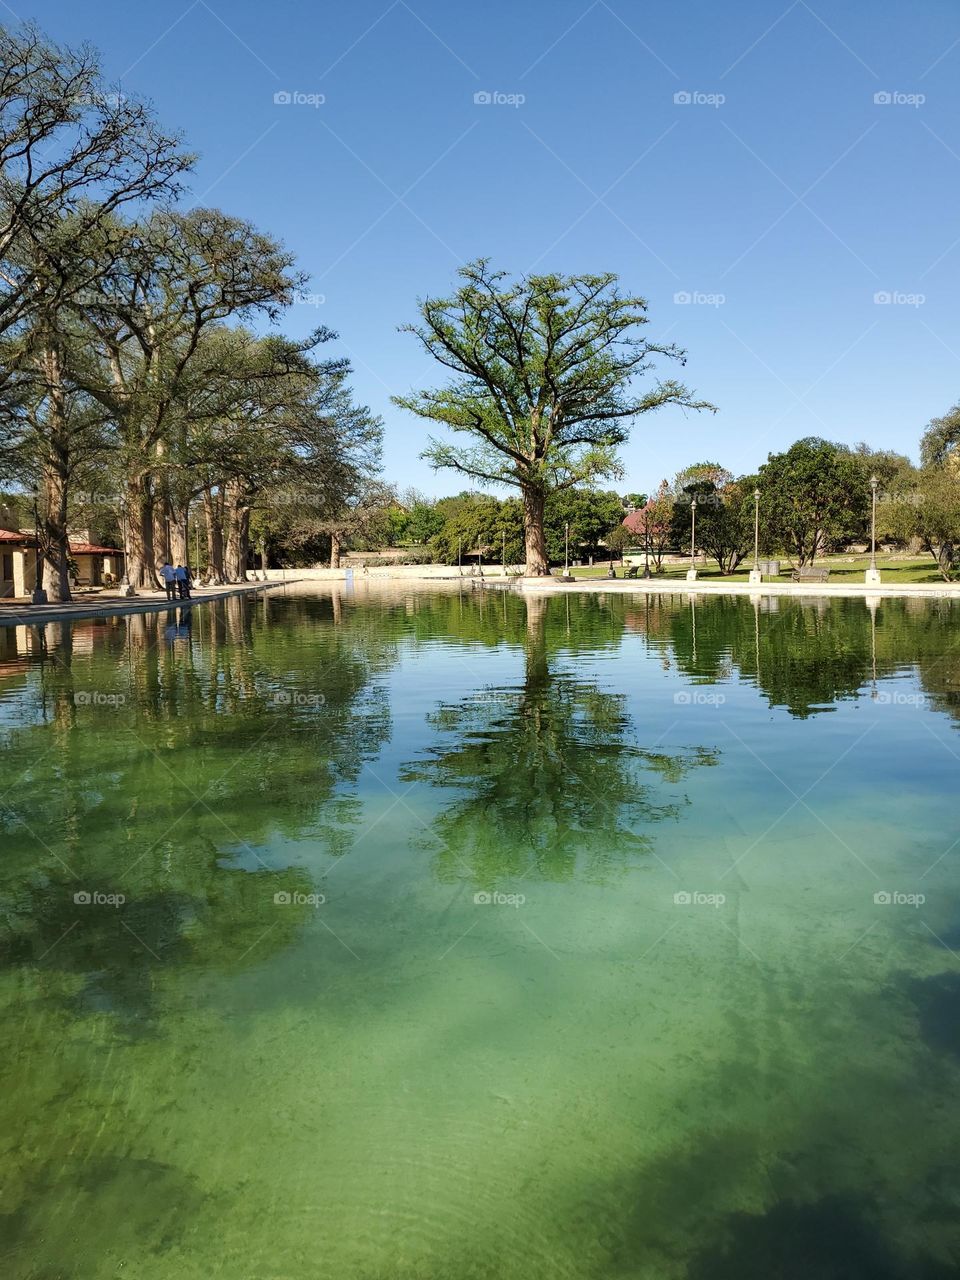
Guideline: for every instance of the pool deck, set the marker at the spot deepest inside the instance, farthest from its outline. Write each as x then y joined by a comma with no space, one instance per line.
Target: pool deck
109,604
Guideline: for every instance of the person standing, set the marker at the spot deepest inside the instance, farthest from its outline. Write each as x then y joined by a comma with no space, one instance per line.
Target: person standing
169,576
180,576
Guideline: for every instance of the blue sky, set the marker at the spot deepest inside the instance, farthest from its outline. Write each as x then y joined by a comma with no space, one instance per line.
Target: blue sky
782,198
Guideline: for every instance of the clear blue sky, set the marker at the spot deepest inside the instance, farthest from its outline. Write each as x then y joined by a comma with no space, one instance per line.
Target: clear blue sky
796,200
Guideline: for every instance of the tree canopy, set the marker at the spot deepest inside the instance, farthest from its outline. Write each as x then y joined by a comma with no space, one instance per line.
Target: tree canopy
544,371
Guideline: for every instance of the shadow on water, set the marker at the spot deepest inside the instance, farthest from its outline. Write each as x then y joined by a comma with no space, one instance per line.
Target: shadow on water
111,956
143,1209
834,1238
937,1001
679,1218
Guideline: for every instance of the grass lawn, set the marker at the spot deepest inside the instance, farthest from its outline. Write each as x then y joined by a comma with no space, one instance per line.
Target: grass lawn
895,570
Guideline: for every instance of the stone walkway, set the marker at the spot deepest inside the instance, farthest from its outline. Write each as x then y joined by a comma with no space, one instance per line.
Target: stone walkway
16,613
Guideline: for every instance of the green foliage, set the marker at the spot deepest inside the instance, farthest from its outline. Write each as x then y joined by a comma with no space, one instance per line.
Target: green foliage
476,520
473,521
941,440
813,495
619,539
543,371
424,522
395,526
925,505
592,514
725,513
886,465
651,526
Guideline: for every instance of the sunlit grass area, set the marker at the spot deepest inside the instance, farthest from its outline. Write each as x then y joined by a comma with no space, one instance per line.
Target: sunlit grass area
895,570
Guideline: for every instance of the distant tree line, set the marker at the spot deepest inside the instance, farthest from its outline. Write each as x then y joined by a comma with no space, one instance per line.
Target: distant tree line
815,498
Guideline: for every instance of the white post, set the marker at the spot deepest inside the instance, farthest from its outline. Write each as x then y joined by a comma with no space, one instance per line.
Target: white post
692,571
755,576
873,574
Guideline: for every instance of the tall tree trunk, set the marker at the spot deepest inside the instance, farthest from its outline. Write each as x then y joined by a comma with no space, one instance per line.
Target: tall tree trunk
213,515
243,519
335,550
231,549
179,550
161,509
55,479
56,546
238,533
945,555
534,537
141,569
161,528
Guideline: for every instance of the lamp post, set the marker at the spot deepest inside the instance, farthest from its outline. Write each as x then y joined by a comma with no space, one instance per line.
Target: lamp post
755,575
646,546
566,549
873,574
459,557
692,571
503,550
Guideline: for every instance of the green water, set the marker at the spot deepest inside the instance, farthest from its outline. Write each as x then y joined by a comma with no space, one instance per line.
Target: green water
466,936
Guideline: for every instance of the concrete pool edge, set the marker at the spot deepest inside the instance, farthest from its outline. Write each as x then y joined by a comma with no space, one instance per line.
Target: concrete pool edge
642,586
444,575
36,615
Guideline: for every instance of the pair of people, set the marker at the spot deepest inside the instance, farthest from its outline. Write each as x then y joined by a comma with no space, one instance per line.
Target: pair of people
176,581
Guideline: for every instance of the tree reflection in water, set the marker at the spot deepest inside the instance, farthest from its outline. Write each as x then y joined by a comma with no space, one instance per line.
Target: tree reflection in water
168,766
550,783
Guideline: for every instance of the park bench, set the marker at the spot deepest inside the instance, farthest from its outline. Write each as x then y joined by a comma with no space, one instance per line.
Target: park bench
808,574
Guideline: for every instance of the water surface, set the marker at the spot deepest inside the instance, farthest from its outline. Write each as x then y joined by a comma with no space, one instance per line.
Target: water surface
450,935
